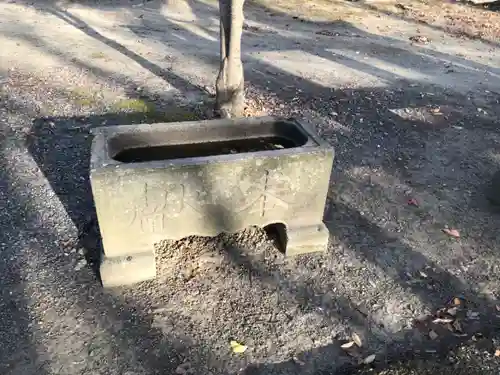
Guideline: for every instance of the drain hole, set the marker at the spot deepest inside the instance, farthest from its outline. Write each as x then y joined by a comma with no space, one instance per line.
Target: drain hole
277,232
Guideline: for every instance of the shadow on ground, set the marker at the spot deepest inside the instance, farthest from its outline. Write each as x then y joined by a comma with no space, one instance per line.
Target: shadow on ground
132,341
62,146
401,15
385,138
19,350
50,141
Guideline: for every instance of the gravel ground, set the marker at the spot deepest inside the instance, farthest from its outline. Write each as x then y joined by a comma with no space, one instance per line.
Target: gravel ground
415,126
476,22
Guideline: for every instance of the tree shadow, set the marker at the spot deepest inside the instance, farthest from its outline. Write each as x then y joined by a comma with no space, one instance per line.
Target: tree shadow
375,9
166,74
33,260
404,133
20,351
131,339
61,147
354,231
411,343
67,172
494,6
307,38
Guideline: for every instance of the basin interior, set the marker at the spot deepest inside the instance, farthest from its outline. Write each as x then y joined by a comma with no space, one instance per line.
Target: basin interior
178,141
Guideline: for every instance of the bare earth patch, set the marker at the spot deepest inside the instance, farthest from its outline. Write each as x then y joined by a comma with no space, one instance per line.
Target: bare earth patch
453,17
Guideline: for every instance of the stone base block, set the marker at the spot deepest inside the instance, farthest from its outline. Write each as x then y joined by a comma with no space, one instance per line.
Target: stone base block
129,269
307,239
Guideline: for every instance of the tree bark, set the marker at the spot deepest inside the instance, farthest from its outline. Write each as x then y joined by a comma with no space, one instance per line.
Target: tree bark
230,101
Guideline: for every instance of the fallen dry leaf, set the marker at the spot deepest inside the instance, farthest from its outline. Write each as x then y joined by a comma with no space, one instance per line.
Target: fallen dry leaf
298,361
433,335
401,6
355,337
442,321
347,345
67,243
452,311
457,326
452,232
237,347
412,202
369,359
183,369
325,32
472,315
419,39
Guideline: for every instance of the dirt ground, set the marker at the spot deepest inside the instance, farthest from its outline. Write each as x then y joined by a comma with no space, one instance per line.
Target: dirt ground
412,109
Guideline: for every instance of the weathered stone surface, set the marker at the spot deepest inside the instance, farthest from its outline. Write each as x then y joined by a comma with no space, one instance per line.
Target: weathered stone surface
167,181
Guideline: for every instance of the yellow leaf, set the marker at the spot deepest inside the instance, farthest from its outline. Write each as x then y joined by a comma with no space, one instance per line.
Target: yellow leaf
237,347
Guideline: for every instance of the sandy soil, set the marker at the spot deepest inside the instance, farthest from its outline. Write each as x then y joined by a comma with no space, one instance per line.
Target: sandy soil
412,111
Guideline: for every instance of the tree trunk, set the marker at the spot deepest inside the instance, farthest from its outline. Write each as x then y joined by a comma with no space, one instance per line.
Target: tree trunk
230,100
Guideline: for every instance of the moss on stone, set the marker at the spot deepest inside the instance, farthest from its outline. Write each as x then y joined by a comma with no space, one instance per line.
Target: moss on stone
147,111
